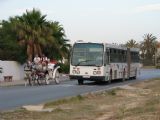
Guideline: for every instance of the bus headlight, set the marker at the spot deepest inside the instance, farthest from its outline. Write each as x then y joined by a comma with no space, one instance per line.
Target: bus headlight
75,72
96,72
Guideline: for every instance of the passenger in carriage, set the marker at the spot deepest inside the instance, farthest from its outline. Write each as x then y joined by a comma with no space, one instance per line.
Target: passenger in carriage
44,60
37,60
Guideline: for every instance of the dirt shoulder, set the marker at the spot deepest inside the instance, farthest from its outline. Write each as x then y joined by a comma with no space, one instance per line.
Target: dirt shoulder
139,101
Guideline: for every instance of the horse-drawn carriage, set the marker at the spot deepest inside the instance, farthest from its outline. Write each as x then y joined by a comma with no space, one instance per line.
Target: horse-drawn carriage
41,74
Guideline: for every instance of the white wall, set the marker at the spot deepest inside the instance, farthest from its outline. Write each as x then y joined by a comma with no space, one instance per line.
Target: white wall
12,68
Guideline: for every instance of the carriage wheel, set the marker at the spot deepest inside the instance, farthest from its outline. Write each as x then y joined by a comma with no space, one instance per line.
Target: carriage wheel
57,77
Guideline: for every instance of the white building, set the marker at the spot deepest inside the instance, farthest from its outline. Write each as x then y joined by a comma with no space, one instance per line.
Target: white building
12,68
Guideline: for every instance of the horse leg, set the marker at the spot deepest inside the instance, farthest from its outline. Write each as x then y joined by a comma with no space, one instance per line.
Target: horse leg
29,81
47,79
38,81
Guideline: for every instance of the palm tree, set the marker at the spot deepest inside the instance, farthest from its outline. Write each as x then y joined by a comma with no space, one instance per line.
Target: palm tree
36,35
148,48
33,31
132,44
60,49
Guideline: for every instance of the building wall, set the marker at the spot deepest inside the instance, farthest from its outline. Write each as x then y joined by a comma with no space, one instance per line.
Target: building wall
12,68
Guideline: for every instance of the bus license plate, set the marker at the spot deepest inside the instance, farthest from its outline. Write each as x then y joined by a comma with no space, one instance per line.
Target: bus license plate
86,76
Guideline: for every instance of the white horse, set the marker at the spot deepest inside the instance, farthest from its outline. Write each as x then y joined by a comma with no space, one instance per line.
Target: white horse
28,73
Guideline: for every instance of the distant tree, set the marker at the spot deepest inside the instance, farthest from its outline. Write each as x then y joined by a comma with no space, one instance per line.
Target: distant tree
148,48
132,44
9,48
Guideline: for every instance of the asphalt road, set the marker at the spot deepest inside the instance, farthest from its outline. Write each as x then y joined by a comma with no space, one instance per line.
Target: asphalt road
17,96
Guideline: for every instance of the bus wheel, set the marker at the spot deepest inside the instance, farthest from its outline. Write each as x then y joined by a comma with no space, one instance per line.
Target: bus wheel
135,77
109,81
80,82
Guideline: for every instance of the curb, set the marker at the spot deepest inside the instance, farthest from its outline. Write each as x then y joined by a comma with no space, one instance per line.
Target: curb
64,77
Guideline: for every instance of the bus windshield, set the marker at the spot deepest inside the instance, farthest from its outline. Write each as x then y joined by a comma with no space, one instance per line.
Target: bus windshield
87,54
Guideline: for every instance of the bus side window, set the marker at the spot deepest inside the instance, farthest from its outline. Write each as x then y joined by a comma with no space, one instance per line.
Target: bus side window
106,59
123,56
111,55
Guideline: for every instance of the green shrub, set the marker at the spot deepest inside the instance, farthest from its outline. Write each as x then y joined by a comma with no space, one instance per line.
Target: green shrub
158,67
64,68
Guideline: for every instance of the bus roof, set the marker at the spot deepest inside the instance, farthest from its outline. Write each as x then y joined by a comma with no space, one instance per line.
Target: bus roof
121,47
115,46
81,41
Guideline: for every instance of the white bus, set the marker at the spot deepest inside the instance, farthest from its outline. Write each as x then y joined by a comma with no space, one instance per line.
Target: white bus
103,62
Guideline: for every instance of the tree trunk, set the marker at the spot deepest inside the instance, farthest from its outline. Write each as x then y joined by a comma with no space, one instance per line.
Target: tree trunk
39,50
30,52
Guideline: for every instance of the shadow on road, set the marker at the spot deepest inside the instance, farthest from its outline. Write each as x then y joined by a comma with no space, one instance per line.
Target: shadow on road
103,83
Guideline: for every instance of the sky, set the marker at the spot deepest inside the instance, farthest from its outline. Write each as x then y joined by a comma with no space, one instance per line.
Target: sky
110,21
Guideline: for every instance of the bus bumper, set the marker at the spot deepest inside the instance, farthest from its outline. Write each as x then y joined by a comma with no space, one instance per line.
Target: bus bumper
91,78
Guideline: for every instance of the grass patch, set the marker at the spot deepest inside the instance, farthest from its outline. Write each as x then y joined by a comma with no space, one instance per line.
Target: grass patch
78,98
155,79
149,67
112,92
